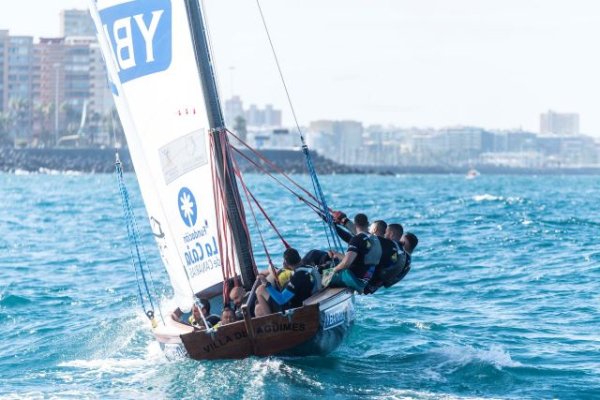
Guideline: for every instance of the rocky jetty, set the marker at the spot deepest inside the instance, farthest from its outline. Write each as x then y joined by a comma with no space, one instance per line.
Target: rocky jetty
91,160
94,160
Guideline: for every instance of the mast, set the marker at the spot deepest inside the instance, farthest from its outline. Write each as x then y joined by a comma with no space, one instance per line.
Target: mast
234,204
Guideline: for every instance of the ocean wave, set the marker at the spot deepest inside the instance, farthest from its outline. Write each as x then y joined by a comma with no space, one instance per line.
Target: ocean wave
479,198
264,371
479,301
47,171
117,366
486,197
404,394
460,356
55,395
12,300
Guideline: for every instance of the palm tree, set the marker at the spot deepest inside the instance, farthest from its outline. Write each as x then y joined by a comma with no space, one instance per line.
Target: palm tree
240,128
42,118
72,115
112,124
19,112
95,121
5,125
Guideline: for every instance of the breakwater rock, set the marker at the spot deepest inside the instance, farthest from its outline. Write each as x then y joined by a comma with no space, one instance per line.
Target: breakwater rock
59,159
95,160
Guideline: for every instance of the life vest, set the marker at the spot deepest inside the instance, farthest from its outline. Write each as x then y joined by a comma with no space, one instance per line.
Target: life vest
200,323
399,267
192,321
373,255
315,277
283,276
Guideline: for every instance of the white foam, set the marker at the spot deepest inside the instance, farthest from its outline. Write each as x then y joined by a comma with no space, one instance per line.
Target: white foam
463,355
406,394
107,365
486,197
65,394
47,171
115,365
264,370
422,325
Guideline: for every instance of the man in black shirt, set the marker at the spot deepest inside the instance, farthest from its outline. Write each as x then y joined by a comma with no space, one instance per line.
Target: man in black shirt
358,264
399,264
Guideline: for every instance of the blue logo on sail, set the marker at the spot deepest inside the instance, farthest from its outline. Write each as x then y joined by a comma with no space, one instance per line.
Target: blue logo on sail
140,36
187,207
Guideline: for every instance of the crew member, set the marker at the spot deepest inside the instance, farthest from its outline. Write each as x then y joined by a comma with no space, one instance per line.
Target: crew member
362,256
300,287
236,296
227,317
399,265
196,319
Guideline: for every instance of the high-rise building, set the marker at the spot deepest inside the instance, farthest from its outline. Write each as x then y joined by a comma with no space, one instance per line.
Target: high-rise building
77,72
233,109
272,116
559,123
18,87
49,86
101,100
4,46
46,86
71,76
76,23
342,138
254,116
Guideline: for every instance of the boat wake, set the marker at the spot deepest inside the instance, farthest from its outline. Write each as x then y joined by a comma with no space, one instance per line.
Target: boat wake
117,365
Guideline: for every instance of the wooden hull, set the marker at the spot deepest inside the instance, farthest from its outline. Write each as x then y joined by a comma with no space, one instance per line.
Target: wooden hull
317,328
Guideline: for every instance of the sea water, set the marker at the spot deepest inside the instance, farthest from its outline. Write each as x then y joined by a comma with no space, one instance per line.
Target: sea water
503,300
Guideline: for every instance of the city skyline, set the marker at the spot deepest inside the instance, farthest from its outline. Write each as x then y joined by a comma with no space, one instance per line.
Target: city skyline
497,65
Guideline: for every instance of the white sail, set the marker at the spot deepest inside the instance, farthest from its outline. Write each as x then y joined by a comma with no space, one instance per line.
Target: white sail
148,49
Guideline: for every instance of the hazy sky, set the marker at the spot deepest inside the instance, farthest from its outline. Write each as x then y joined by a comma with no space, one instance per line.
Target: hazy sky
490,63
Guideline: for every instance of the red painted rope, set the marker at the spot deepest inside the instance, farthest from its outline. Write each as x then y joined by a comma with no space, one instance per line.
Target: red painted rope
226,148
263,169
238,173
272,165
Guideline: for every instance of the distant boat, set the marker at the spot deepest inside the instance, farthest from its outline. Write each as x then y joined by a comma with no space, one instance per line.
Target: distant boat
167,100
472,174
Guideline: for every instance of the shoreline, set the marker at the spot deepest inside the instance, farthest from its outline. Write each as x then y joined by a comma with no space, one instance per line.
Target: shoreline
96,160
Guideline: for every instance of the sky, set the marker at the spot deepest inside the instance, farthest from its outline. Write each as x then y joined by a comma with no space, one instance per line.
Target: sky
497,64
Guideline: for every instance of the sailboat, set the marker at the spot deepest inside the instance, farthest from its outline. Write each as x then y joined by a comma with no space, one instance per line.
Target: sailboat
161,74
472,173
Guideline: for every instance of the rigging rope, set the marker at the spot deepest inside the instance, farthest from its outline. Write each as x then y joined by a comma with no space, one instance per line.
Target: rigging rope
263,169
247,194
328,223
264,213
138,257
270,164
221,222
223,219
314,207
